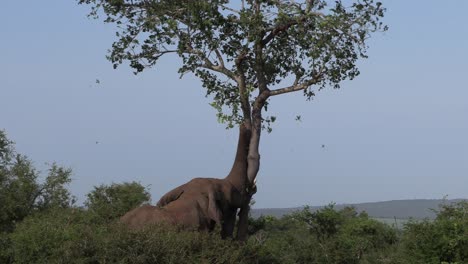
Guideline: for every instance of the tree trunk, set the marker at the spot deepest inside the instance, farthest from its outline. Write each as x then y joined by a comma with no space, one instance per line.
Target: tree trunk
253,124
253,164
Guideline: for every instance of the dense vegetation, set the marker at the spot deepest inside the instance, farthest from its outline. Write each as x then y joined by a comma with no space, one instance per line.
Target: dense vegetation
40,223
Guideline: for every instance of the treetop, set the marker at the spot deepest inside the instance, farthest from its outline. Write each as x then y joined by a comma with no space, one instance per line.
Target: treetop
238,47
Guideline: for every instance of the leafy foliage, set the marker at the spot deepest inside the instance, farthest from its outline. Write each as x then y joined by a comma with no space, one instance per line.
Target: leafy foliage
21,193
110,202
444,240
238,47
327,236
72,236
55,236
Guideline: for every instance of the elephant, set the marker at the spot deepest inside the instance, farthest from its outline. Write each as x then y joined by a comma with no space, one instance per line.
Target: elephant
201,203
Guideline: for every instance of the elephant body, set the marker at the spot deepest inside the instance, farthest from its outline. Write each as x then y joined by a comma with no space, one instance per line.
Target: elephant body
199,204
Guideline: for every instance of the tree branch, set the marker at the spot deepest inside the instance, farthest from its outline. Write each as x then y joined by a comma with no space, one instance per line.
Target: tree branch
160,54
296,86
261,99
290,89
276,30
243,92
304,85
220,58
231,9
309,5
208,64
240,58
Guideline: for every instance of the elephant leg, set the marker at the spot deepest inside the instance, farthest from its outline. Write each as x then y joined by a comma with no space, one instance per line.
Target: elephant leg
229,223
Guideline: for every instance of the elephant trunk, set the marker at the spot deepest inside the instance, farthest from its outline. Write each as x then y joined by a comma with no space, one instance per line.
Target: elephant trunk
238,174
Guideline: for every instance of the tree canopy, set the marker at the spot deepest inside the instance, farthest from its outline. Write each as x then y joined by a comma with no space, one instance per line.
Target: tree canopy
239,47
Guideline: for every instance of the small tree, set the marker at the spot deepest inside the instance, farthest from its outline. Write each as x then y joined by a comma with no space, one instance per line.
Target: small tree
110,202
245,52
21,193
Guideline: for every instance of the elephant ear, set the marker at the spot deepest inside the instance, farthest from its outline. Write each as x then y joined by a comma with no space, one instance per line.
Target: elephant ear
214,213
171,196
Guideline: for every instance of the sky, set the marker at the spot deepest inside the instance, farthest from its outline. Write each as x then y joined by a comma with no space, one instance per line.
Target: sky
398,131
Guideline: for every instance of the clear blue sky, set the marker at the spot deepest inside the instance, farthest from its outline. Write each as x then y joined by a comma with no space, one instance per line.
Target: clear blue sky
398,131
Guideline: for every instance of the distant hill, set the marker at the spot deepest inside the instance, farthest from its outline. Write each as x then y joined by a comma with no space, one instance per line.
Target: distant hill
400,209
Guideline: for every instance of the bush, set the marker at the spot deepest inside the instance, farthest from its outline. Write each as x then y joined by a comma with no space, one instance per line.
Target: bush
72,236
444,240
110,202
326,236
21,193
56,236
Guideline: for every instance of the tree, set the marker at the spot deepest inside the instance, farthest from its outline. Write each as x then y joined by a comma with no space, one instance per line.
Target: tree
21,194
110,202
245,53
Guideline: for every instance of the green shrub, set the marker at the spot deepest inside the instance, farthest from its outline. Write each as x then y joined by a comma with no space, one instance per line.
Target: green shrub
444,240
325,236
56,236
80,236
74,236
113,201
21,192
163,245
5,245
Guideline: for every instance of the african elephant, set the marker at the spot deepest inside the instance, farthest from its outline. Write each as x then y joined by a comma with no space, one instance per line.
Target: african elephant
201,203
